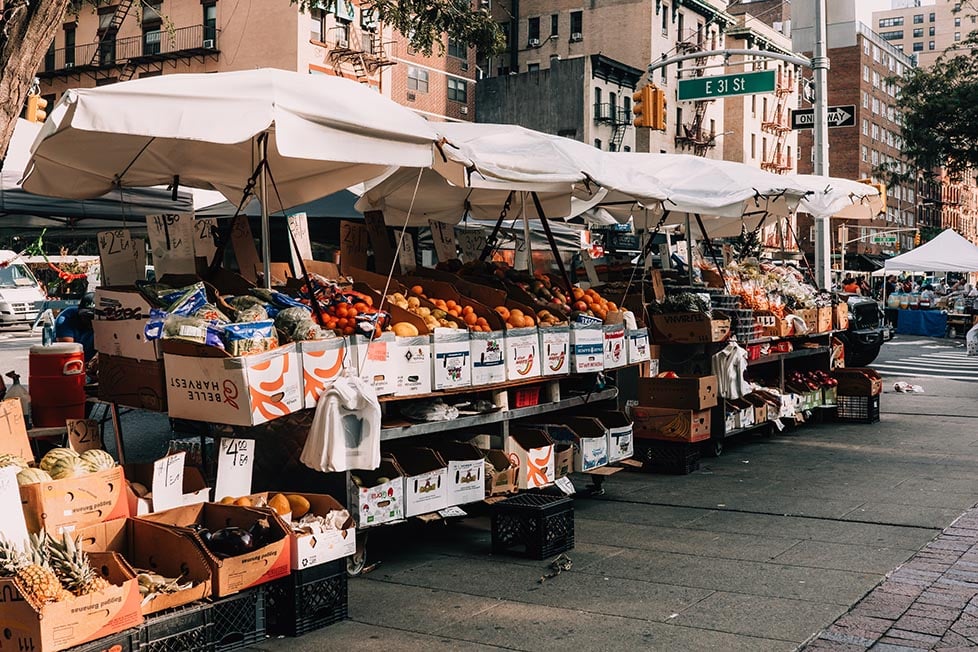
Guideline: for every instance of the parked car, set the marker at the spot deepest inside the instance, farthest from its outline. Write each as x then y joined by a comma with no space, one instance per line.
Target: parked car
21,296
867,330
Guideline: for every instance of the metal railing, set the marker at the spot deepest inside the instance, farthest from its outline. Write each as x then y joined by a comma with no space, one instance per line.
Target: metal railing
163,44
612,113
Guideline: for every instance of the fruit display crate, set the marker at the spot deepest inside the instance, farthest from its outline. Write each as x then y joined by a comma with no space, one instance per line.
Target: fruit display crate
674,458
239,620
541,524
127,641
308,599
858,409
184,628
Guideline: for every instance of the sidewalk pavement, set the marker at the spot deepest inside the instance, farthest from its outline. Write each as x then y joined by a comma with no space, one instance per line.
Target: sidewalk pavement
761,549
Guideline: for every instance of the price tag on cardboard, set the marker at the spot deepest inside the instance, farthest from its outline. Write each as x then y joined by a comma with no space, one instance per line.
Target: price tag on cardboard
12,523
84,434
245,251
471,242
353,245
452,512
405,254
168,481
204,244
565,485
443,236
117,257
171,239
299,227
13,430
234,467
379,239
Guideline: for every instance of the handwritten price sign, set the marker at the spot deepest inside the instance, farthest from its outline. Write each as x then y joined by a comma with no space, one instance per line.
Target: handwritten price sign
234,467
171,239
118,257
84,434
12,524
168,481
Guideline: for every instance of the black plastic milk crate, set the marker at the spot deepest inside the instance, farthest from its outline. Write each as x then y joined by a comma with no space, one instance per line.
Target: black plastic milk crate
857,409
239,619
127,641
541,524
308,599
182,628
676,458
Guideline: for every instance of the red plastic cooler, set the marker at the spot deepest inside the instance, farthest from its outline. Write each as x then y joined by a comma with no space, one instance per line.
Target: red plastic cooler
57,384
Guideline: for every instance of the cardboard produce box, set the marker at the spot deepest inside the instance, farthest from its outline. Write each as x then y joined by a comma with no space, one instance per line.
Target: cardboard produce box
232,574
488,357
157,549
555,350
809,316
522,353
451,357
858,381
308,549
205,384
638,345
126,338
414,367
120,303
615,346
563,459
760,405
322,362
687,392
378,497
773,325
840,316
501,473
621,443
131,382
195,489
61,625
587,436
824,320
425,480
377,363
670,424
586,348
689,328
466,472
65,505
534,452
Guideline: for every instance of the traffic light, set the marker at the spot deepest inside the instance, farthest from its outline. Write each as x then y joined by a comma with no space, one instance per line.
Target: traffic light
36,106
642,106
658,109
916,239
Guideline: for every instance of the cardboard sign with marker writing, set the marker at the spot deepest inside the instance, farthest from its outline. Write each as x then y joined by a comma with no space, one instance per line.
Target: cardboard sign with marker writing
405,254
379,239
204,244
171,239
299,227
443,236
471,242
353,245
84,434
13,430
12,523
118,257
234,468
245,252
168,481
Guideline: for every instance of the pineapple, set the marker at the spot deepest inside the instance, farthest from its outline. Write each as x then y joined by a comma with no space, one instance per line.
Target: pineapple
72,567
12,559
34,578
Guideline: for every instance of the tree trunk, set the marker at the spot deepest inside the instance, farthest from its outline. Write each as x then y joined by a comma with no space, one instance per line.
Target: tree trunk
28,27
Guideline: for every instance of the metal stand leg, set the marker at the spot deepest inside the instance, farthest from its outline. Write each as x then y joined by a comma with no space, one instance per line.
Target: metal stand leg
117,427
357,564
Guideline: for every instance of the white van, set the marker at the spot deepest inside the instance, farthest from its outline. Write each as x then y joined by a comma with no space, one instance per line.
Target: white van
21,296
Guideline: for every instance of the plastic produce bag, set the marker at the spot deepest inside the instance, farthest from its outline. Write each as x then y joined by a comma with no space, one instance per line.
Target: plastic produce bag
345,431
972,339
250,337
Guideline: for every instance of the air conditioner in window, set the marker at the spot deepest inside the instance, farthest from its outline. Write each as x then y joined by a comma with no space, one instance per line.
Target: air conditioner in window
69,65
411,97
464,66
577,36
534,42
341,43
464,110
208,44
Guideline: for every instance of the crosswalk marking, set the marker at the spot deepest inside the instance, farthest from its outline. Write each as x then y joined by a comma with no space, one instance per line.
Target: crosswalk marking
950,365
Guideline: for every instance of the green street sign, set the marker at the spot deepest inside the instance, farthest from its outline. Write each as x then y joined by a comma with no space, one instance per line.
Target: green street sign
884,239
744,83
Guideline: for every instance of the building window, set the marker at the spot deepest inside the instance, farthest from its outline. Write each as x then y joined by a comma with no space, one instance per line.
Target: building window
876,79
891,22
597,101
789,153
210,21
931,31
918,47
865,153
417,79
554,24
532,67
665,19
753,106
69,47
865,127
458,90
876,132
875,157
894,35
865,47
957,36
457,49
577,25
918,19
753,146
533,29
957,21
932,17
918,32
107,36
865,100
626,148
866,73
152,27
930,45
626,108
876,106
597,143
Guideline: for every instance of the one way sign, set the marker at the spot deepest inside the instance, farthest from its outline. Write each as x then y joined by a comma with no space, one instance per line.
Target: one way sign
839,116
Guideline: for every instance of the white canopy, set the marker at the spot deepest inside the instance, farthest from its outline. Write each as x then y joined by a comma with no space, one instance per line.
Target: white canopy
834,197
948,252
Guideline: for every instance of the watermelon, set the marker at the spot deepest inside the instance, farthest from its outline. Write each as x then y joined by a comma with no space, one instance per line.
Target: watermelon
57,456
8,459
63,463
33,476
96,460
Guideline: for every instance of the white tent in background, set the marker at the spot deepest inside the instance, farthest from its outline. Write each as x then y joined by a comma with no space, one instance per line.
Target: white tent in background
948,252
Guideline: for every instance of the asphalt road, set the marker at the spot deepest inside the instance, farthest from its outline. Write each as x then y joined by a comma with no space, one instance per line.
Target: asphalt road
919,359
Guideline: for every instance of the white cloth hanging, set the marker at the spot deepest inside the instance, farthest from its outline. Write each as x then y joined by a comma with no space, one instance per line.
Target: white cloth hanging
345,431
729,365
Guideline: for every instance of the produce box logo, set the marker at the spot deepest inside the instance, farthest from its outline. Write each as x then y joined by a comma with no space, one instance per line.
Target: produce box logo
556,360
267,397
536,472
524,361
468,478
428,485
315,383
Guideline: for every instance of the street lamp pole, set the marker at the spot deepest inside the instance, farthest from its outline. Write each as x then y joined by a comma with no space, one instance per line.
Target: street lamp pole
820,67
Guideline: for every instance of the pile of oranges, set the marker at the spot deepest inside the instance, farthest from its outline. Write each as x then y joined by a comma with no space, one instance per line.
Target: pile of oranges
591,303
341,317
515,318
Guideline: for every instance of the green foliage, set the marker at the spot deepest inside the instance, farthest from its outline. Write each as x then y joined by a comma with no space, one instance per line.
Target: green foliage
425,22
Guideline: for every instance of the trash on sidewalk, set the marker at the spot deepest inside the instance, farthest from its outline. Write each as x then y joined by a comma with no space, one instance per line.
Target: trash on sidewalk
557,566
906,388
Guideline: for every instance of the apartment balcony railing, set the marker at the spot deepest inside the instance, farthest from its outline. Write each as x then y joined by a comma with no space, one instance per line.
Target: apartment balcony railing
162,45
612,114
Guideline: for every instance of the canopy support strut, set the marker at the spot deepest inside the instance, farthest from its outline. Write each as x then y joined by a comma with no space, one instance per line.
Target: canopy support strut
550,239
712,251
491,240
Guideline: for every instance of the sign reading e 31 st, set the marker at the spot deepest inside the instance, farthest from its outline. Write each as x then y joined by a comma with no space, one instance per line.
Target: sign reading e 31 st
744,83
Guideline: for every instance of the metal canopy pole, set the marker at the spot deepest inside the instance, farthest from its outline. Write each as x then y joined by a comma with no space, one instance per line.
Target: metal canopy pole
820,67
550,238
689,250
266,236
